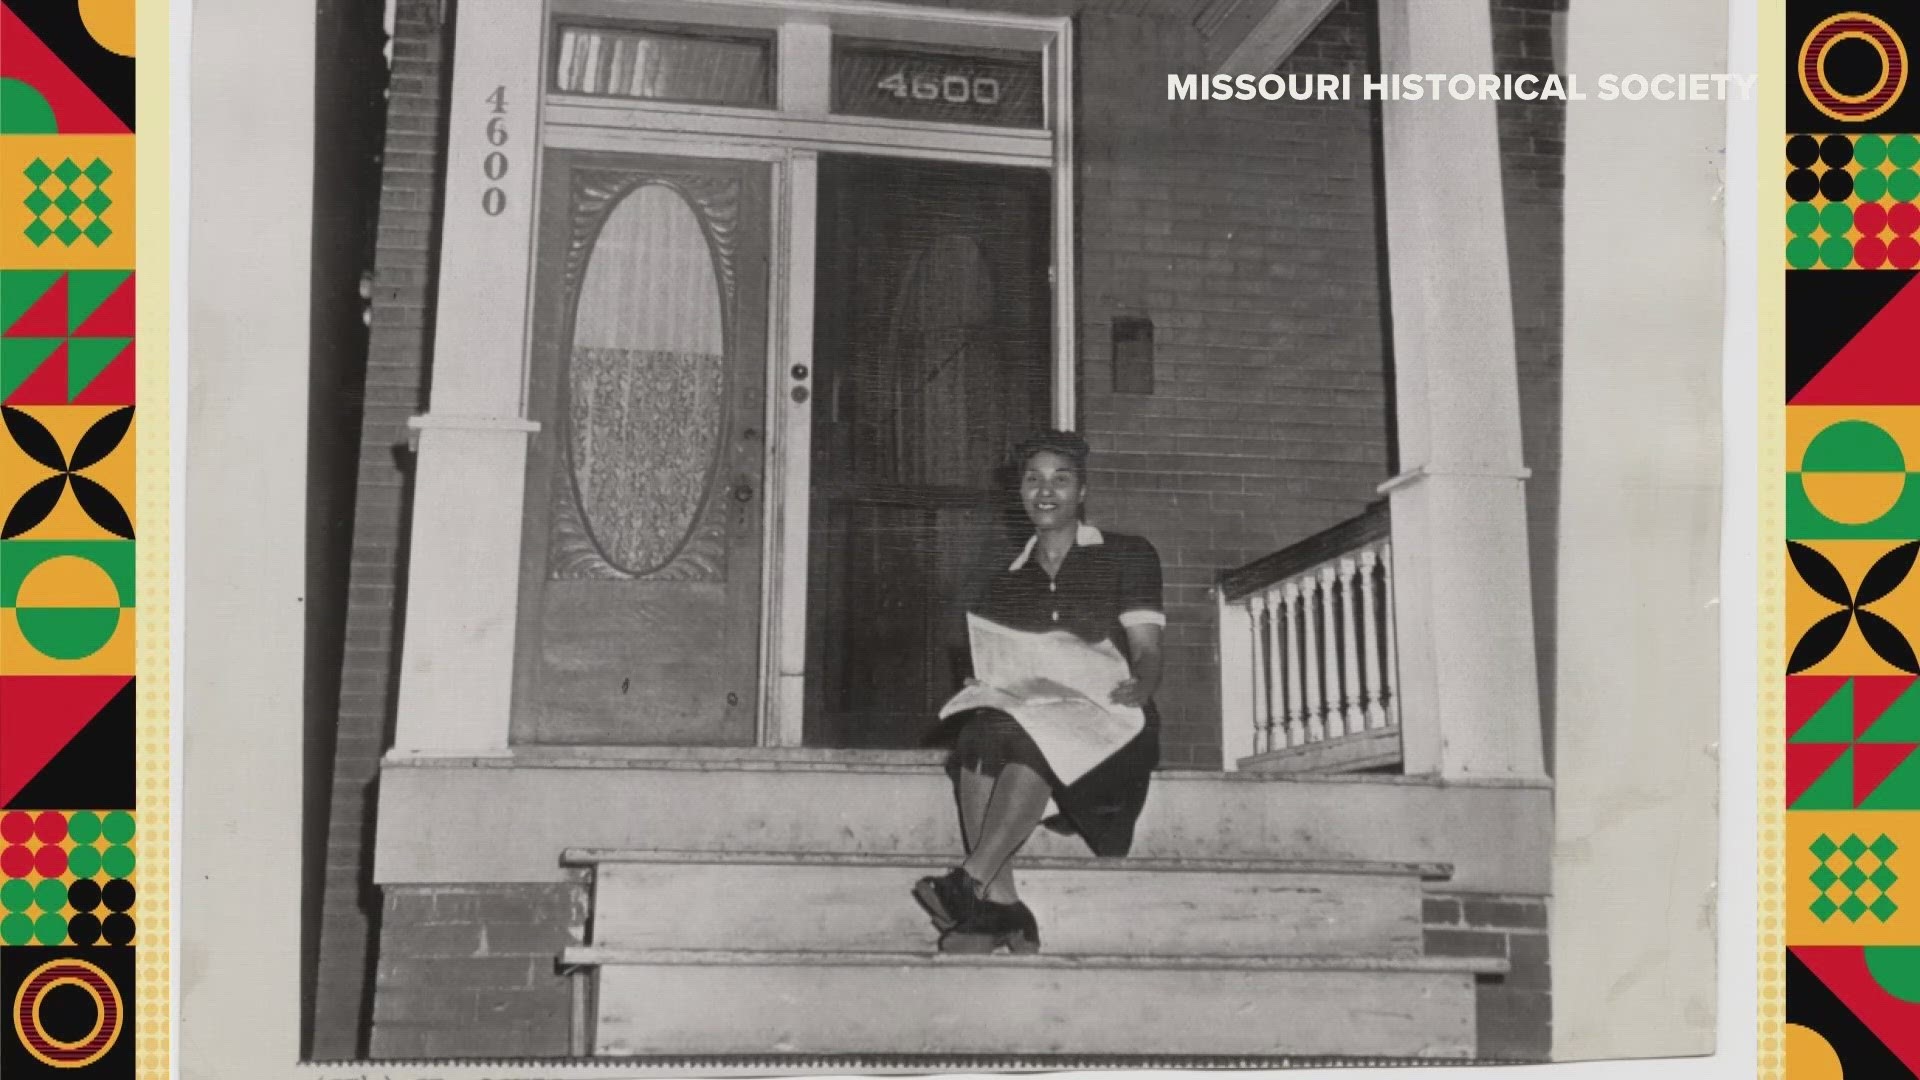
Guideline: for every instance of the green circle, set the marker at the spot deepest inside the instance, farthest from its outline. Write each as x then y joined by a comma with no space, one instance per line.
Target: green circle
1802,253
118,827
51,895
1897,969
1870,185
84,827
1802,218
1869,151
51,929
1837,252
84,862
16,930
119,861
16,895
1853,446
1904,151
1836,218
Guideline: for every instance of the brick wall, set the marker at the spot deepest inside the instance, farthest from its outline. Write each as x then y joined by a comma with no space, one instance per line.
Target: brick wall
469,971
1514,1014
396,386
1248,233
1533,172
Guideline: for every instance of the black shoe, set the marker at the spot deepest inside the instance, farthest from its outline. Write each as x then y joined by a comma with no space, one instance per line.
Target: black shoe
992,926
950,899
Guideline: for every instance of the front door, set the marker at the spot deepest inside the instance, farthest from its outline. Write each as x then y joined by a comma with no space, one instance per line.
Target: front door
642,566
932,356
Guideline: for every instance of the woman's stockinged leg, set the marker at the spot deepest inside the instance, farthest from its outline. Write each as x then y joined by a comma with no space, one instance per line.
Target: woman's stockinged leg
975,791
1019,800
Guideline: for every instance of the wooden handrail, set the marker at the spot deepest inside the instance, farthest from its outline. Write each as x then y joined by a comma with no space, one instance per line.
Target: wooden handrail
1373,523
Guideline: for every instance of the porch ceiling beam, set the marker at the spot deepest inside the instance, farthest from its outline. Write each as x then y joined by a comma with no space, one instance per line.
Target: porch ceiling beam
1271,39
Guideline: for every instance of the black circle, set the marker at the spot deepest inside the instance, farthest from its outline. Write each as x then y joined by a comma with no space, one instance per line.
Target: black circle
118,929
1836,185
1802,185
67,1013
118,894
1803,151
84,894
1836,151
84,929
1852,66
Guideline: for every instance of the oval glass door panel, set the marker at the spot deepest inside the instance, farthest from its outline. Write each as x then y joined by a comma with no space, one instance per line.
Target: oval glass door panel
646,382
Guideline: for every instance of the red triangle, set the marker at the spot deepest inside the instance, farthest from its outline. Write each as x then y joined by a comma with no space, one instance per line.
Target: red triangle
1877,365
40,714
114,316
48,315
1872,694
1805,695
48,383
1807,762
1873,763
77,109
114,384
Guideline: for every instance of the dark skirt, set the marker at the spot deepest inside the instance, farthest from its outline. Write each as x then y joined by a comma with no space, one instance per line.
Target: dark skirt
1100,807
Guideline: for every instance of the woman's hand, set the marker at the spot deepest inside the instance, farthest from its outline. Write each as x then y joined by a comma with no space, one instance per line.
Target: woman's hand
1133,693
1143,646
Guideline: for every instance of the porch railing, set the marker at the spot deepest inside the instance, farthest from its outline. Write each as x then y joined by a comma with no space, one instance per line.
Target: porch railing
1309,678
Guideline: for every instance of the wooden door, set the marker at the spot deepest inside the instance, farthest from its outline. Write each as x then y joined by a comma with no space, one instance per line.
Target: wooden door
641,598
932,356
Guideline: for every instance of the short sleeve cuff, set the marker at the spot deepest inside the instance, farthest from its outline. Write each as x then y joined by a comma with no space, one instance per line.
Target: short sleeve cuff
1143,617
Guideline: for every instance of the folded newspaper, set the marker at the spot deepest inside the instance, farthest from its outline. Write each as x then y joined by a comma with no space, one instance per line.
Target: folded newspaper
1057,686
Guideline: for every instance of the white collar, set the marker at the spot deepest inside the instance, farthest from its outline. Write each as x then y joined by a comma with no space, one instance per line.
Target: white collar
1085,536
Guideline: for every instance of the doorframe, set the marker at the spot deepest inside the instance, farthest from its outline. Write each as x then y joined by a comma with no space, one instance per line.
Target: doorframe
791,136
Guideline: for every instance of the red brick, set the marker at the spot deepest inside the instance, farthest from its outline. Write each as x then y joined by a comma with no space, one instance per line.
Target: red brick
1439,911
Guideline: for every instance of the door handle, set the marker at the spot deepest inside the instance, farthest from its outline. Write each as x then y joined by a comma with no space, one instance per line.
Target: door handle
742,491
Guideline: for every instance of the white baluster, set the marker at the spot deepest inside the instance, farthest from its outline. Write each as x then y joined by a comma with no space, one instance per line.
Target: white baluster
1296,685
1350,677
1336,675
1276,672
1310,656
1393,646
1262,709
1370,637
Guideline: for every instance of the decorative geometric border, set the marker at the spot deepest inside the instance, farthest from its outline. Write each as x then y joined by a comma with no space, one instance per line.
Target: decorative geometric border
85,775
1840,514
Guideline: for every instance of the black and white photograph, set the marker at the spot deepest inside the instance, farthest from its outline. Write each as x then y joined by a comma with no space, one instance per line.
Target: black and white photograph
980,534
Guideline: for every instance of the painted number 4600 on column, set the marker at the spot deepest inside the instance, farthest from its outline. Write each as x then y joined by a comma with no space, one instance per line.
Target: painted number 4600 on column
494,165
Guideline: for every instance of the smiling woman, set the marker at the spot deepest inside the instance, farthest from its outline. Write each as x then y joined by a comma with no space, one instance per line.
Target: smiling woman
1073,578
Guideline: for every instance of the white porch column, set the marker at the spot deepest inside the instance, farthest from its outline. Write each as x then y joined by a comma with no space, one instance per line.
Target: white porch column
456,666
1465,617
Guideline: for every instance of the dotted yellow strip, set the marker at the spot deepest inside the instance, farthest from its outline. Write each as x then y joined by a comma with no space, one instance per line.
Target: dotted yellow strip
1770,554
153,665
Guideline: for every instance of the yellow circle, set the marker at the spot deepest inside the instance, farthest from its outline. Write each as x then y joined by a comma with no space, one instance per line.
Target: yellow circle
67,581
1820,75
111,24
99,1013
1809,1057
1853,498
1854,35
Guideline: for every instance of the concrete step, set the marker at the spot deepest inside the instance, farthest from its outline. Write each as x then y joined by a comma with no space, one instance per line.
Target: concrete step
916,1003
507,819
1125,907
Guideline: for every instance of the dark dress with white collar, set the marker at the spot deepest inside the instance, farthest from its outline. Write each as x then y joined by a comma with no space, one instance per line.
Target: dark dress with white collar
1107,582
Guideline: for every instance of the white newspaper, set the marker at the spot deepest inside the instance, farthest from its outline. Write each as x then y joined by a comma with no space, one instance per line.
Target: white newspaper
1057,686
